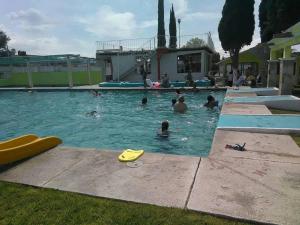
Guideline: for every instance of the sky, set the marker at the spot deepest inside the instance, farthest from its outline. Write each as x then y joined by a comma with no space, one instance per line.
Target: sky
73,26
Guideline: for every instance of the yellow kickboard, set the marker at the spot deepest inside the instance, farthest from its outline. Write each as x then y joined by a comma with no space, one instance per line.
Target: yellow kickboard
129,155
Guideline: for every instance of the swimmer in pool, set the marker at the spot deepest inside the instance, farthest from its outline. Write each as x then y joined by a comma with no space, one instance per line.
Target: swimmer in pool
164,131
92,113
180,106
95,93
174,102
144,101
211,102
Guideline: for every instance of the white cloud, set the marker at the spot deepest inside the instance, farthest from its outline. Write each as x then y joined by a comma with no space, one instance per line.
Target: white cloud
148,23
107,23
31,20
51,45
203,16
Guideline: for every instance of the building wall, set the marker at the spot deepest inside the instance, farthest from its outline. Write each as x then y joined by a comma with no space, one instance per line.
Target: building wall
168,64
259,55
51,79
122,63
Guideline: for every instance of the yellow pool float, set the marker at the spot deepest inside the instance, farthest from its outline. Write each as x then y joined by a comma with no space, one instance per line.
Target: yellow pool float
25,146
130,155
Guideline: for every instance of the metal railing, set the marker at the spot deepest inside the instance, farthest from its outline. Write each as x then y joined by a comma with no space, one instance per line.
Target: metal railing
140,44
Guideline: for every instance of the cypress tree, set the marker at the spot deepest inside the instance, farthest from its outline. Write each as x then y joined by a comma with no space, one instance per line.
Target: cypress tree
172,29
236,27
288,14
161,34
263,19
276,16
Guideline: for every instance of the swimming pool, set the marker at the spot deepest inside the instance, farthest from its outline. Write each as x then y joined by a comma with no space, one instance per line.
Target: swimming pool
120,122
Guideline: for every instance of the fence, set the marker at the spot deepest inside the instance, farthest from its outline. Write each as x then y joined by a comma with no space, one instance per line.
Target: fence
140,44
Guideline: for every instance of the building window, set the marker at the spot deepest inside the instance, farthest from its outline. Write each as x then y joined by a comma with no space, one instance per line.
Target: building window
191,62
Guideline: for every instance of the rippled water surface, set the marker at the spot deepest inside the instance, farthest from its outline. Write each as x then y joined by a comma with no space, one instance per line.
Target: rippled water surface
120,121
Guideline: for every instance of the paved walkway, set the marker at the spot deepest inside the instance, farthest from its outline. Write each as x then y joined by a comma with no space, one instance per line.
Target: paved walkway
160,179
260,184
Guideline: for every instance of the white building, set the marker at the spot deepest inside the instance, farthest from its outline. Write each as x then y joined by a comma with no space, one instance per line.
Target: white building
123,63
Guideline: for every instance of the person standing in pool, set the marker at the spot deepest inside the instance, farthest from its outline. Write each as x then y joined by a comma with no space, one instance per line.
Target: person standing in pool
164,131
180,106
211,102
144,101
174,102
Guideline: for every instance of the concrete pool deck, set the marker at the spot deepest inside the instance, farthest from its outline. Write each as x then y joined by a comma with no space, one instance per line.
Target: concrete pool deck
163,180
261,184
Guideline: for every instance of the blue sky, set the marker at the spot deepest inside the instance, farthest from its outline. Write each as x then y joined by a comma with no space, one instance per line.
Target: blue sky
73,26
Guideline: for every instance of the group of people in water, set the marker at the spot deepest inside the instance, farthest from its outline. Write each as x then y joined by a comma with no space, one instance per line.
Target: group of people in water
180,106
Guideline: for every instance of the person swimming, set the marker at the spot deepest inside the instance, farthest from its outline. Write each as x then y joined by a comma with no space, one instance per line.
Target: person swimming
174,102
144,101
180,106
92,113
164,131
211,102
95,93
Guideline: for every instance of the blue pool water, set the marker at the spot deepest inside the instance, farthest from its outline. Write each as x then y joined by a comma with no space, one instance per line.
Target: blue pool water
120,123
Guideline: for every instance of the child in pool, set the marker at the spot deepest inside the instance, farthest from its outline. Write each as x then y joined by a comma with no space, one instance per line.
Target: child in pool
164,132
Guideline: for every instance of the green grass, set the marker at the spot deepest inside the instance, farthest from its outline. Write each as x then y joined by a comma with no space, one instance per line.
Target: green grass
279,111
21,204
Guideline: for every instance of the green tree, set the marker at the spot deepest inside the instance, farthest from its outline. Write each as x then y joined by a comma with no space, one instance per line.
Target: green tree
3,39
288,13
195,43
236,27
276,16
172,29
161,34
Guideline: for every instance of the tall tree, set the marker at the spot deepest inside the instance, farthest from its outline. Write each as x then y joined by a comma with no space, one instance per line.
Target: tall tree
3,39
195,43
276,16
161,34
172,29
288,13
236,27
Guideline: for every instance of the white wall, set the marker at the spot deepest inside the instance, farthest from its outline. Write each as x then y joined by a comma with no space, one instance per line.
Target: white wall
168,64
123,63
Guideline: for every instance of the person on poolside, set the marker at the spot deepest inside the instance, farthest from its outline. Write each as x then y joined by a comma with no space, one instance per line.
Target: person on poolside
165,81
144,101
164,132
211,102
180,106
189,79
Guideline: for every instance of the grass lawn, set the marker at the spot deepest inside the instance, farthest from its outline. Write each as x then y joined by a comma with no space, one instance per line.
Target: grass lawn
21,204
278,111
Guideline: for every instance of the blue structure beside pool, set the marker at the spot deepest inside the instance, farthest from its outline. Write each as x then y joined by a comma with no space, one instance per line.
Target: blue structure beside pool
261,123
286,102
